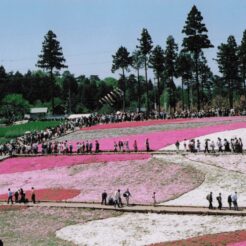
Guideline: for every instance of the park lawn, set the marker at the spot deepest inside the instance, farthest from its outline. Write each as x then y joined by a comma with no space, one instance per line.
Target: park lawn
11,132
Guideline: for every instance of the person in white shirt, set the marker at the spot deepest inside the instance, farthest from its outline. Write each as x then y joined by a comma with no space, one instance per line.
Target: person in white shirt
10,196
117,198
234,200
219,144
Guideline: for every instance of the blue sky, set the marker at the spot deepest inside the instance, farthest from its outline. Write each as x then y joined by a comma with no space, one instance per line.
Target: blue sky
90,31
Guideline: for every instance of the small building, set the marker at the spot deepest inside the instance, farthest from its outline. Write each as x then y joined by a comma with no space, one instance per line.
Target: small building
38,113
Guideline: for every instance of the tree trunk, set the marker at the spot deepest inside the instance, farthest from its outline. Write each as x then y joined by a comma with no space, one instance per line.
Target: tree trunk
52,91
139,105
173,95
69,99
197,82
188,95
158,95
191,97
182,91
147,87
230,95
124,91
202,98
244,84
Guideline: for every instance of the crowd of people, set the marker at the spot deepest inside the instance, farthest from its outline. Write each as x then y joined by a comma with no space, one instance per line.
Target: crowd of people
123,146
116,199
29,142
232,200
19,196
232,145
64,147
95,119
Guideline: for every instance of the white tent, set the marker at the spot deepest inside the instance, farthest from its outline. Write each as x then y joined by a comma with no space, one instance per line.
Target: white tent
77,116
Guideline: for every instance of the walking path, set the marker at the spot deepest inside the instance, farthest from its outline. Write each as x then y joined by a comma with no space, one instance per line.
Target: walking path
159,209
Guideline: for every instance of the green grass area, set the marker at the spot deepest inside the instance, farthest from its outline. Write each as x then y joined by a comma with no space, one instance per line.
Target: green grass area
11,132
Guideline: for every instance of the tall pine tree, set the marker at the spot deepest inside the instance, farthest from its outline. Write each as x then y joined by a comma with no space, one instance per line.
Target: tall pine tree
242,61
157,63
228,61
195,41
137,64
145,47
122,60
171,54
184,70
51,58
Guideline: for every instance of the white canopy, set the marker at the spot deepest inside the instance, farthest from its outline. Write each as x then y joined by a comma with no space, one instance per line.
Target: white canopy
77,116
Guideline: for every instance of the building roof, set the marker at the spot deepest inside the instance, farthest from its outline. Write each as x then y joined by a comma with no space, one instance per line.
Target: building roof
38,110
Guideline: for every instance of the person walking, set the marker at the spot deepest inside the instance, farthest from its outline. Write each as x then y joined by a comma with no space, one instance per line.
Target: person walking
234,201
33,196
16,195
10,196
135,146
219,199
97,147
219,144
115,147
127,195
198,145
104,198
127,147
177,145
229,200
212,145
118,201
154,199
185,145
147,145
206,146
210,200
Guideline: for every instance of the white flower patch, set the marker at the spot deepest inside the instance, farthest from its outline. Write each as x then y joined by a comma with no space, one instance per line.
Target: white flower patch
144,229
238,133
230,162
218,180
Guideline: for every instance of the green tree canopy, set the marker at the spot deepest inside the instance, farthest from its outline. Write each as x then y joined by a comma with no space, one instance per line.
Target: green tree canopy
51,57
145,46
14,106
157,63
228,61
242,60
195,40
122,60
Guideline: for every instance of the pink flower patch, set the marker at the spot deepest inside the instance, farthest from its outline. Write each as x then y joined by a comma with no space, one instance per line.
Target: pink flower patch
49,194
24,164
162,139
237,244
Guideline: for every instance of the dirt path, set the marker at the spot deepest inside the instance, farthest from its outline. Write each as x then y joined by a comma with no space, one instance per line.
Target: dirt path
160,209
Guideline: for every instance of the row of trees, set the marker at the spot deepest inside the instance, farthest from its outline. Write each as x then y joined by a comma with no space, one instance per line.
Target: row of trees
189,64
199,87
